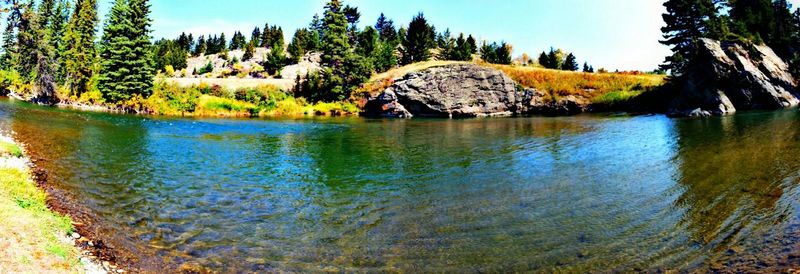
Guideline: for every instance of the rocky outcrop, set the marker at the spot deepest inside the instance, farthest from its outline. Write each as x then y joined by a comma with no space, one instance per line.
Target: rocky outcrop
464,90
727,77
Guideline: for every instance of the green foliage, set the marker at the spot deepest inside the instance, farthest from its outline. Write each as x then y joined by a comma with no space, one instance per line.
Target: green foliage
303,41
386,29
238,41
385,58
418,41
249,51
126,67
80,49
570,63
208,68
686,22
200,47
367,42
276,59
169,53
496,54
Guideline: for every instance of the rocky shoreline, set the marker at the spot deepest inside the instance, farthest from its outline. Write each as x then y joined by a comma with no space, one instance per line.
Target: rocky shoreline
94,258
96,246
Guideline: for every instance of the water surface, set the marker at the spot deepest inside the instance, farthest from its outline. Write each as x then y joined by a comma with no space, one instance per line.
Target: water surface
575,194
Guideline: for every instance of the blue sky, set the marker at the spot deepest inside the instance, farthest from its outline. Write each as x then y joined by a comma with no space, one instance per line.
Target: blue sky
614,34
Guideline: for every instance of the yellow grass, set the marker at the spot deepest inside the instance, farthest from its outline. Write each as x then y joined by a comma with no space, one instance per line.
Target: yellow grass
33,239
381,81
596,87
601,88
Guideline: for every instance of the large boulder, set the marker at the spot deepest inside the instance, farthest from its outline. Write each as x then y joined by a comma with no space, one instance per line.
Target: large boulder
461,90
727,77
464,90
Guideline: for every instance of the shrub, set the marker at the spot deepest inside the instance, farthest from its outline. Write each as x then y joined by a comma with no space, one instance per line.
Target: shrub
169,71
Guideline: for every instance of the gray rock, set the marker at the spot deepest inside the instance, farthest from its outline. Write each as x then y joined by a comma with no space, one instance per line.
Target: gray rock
733,76
463,90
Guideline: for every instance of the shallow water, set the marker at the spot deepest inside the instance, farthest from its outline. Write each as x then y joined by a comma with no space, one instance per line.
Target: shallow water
575,194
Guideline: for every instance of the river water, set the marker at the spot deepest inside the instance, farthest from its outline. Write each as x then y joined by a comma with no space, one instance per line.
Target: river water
572,194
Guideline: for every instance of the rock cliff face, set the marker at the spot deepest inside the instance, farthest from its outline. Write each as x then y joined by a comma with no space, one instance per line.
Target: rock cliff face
731,76
463,91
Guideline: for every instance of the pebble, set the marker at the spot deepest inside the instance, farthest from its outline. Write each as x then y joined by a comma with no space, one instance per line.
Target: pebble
91,243
76,235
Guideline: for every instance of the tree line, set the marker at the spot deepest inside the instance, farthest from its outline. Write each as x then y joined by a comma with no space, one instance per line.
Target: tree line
53,45
770,22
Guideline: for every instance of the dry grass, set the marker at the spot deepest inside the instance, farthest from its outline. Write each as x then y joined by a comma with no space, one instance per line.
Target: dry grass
32,238
379,82
596,87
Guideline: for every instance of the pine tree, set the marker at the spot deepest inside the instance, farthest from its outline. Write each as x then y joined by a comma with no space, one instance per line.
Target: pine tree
503,54
418,40
367,42
126,68
489,52
10,47
386,29
255,36
297,48
543,60
249,51
80,49
473,46
686,22
585,67
27,44
201,47
144,70
56,31
570,63
335,49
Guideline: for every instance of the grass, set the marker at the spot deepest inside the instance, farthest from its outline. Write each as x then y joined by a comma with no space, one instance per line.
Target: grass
33,237
596,88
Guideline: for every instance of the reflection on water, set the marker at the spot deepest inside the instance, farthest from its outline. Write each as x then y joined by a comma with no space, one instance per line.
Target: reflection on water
544,194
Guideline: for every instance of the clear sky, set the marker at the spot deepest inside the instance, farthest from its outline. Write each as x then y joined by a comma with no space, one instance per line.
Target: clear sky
614,34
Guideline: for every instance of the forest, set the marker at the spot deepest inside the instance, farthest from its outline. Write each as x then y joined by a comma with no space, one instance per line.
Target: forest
52,49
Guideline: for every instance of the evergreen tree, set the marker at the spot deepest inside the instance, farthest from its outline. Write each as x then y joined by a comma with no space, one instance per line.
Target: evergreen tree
297,48
255,37
80,49
386,29
249,51
543,60
367,42
169,53
222,43
200,47
489,52
385,58
418,41
585,67
27,44
56,31
503,54
276,59
10,50
686,22
317,26
570,63
473,46
463,49
335,49
126,67
555,59
142,62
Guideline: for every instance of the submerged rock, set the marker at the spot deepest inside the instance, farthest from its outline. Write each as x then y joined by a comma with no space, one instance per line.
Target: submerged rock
733,76
464,90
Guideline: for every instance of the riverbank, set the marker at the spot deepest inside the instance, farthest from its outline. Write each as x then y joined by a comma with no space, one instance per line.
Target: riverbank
35,238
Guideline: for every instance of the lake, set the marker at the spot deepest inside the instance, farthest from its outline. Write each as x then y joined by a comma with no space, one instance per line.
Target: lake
586,193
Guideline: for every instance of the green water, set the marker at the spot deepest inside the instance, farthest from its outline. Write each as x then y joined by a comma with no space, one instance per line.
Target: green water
573,194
